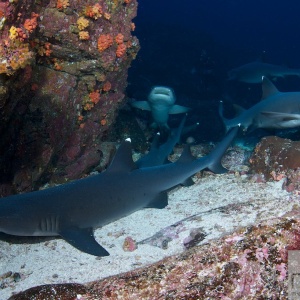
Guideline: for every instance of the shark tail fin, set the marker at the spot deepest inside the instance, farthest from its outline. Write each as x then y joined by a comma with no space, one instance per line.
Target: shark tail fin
225,121
217,154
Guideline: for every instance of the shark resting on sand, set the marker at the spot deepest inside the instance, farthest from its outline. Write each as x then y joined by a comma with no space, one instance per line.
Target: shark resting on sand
253,72
161,103
275,110
73,210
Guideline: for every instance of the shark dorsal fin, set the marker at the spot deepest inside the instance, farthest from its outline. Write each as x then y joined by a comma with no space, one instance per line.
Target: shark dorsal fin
122,161
268,88
238,109
186,155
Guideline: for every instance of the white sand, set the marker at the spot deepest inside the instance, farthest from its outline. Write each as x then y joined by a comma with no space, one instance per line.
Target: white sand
55,261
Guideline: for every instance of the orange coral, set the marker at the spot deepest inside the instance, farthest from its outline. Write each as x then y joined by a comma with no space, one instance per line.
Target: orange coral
45,50
30,24
104,42
127,1
15,55
88,106
121,50
57,66
94,96
61,4
93,11
103,122
84,35
106,86
107,16
119,38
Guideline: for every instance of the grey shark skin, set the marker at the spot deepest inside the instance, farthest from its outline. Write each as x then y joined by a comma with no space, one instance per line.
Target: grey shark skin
73,210
158,154
253,72
161,103
275,110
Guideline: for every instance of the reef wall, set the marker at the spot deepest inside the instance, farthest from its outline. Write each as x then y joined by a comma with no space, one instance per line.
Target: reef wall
63,73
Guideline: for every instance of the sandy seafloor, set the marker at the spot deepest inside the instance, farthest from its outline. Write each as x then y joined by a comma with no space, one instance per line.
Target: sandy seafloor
222,204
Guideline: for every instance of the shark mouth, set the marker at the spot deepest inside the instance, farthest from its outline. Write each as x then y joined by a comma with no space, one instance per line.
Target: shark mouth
162,91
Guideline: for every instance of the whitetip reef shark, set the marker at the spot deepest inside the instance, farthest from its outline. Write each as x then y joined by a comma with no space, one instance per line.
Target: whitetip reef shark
275,110
75,209
253,72
161,103
158,154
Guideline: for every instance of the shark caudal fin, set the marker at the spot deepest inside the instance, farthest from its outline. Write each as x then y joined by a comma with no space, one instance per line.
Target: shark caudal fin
216,155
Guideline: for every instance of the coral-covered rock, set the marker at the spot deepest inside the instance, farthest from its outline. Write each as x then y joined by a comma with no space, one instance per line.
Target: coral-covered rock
59,93
248,264
277,158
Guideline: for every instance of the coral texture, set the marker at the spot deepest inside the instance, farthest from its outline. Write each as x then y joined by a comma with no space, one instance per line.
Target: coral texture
277,158
61,84
248,264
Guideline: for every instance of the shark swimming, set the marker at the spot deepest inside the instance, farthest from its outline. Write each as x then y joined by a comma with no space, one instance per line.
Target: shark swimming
275,110
253,72
158,154
161,103
75,209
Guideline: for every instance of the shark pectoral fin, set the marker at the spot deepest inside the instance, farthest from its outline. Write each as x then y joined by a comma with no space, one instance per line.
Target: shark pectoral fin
178,109
217,168
83,239
144,105
160,201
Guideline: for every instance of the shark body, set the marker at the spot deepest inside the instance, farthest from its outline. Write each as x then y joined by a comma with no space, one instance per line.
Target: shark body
253,72
275,110
73,210
161,103
158,154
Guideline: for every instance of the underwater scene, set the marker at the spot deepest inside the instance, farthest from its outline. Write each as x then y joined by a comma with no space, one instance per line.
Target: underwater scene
149,149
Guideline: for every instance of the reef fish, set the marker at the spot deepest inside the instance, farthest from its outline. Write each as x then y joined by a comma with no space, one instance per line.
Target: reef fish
161,103
253,72
275,110
75,209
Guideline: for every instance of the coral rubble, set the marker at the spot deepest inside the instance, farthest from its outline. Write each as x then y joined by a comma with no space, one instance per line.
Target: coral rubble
60,85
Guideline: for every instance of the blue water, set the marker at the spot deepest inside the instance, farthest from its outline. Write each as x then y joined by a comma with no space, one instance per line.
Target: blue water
190,46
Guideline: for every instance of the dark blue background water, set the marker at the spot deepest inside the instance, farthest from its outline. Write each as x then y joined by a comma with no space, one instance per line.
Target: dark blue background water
190,46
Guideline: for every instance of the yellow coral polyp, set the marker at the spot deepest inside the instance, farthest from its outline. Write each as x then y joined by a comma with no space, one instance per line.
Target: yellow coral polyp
82,23
15,55
13,33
